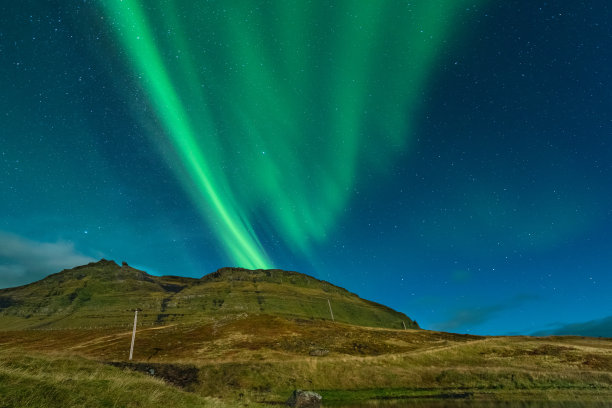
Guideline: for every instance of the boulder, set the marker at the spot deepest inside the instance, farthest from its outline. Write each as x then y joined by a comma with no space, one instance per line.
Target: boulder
319,352
304,399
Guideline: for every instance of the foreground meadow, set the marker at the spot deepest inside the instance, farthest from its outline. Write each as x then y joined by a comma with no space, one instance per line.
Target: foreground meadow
258,360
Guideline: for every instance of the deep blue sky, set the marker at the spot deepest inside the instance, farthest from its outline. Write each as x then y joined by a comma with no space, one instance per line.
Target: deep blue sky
491,216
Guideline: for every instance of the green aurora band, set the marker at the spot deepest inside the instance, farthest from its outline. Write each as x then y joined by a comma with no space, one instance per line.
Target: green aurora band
274,109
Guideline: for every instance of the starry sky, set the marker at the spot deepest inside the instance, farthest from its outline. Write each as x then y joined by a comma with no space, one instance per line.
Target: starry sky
450,159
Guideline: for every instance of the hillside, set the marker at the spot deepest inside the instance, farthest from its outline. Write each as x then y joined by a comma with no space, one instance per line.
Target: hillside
104,294
248,359
238,337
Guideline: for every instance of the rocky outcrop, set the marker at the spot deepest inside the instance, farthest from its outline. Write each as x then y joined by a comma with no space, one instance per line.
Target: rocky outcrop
304,399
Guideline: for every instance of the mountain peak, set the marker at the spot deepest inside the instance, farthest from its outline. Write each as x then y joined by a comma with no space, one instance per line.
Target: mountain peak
229,269
103,269
236,273
101,263
230,273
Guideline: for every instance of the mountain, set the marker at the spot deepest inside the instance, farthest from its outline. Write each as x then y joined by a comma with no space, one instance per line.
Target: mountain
105,294
238,337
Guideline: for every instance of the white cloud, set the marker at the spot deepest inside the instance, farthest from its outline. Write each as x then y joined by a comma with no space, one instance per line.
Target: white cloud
23,261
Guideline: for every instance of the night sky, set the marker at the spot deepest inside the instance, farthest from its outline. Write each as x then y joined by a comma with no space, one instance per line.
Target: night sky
451,159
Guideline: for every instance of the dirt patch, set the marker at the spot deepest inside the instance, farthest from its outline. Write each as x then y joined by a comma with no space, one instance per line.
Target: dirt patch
598,362
183,376
550,350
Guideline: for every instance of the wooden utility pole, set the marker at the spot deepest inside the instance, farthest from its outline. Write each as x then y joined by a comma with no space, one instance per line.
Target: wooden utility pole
331,312
134,333
404,325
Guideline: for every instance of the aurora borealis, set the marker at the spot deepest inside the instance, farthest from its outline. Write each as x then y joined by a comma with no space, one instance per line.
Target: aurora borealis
448,158
299,125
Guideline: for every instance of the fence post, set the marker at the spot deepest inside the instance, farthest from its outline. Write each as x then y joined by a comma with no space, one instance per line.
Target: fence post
331,311
134,333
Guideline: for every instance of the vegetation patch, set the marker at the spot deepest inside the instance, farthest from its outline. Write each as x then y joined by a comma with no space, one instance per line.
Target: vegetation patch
35,380
332,397
184,376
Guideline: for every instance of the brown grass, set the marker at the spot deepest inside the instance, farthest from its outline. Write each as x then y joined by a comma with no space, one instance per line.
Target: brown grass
262,358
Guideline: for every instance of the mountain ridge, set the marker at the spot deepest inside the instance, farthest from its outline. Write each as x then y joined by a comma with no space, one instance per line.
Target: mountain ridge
105,293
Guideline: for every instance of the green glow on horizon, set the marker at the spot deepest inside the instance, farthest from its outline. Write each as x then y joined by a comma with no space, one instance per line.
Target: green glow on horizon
277,109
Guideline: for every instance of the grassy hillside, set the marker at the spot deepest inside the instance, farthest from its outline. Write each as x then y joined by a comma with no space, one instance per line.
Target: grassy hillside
104,294
240,337
263,358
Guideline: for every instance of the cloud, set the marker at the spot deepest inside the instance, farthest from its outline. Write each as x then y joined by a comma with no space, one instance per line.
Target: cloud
592,328
23,261
470,317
